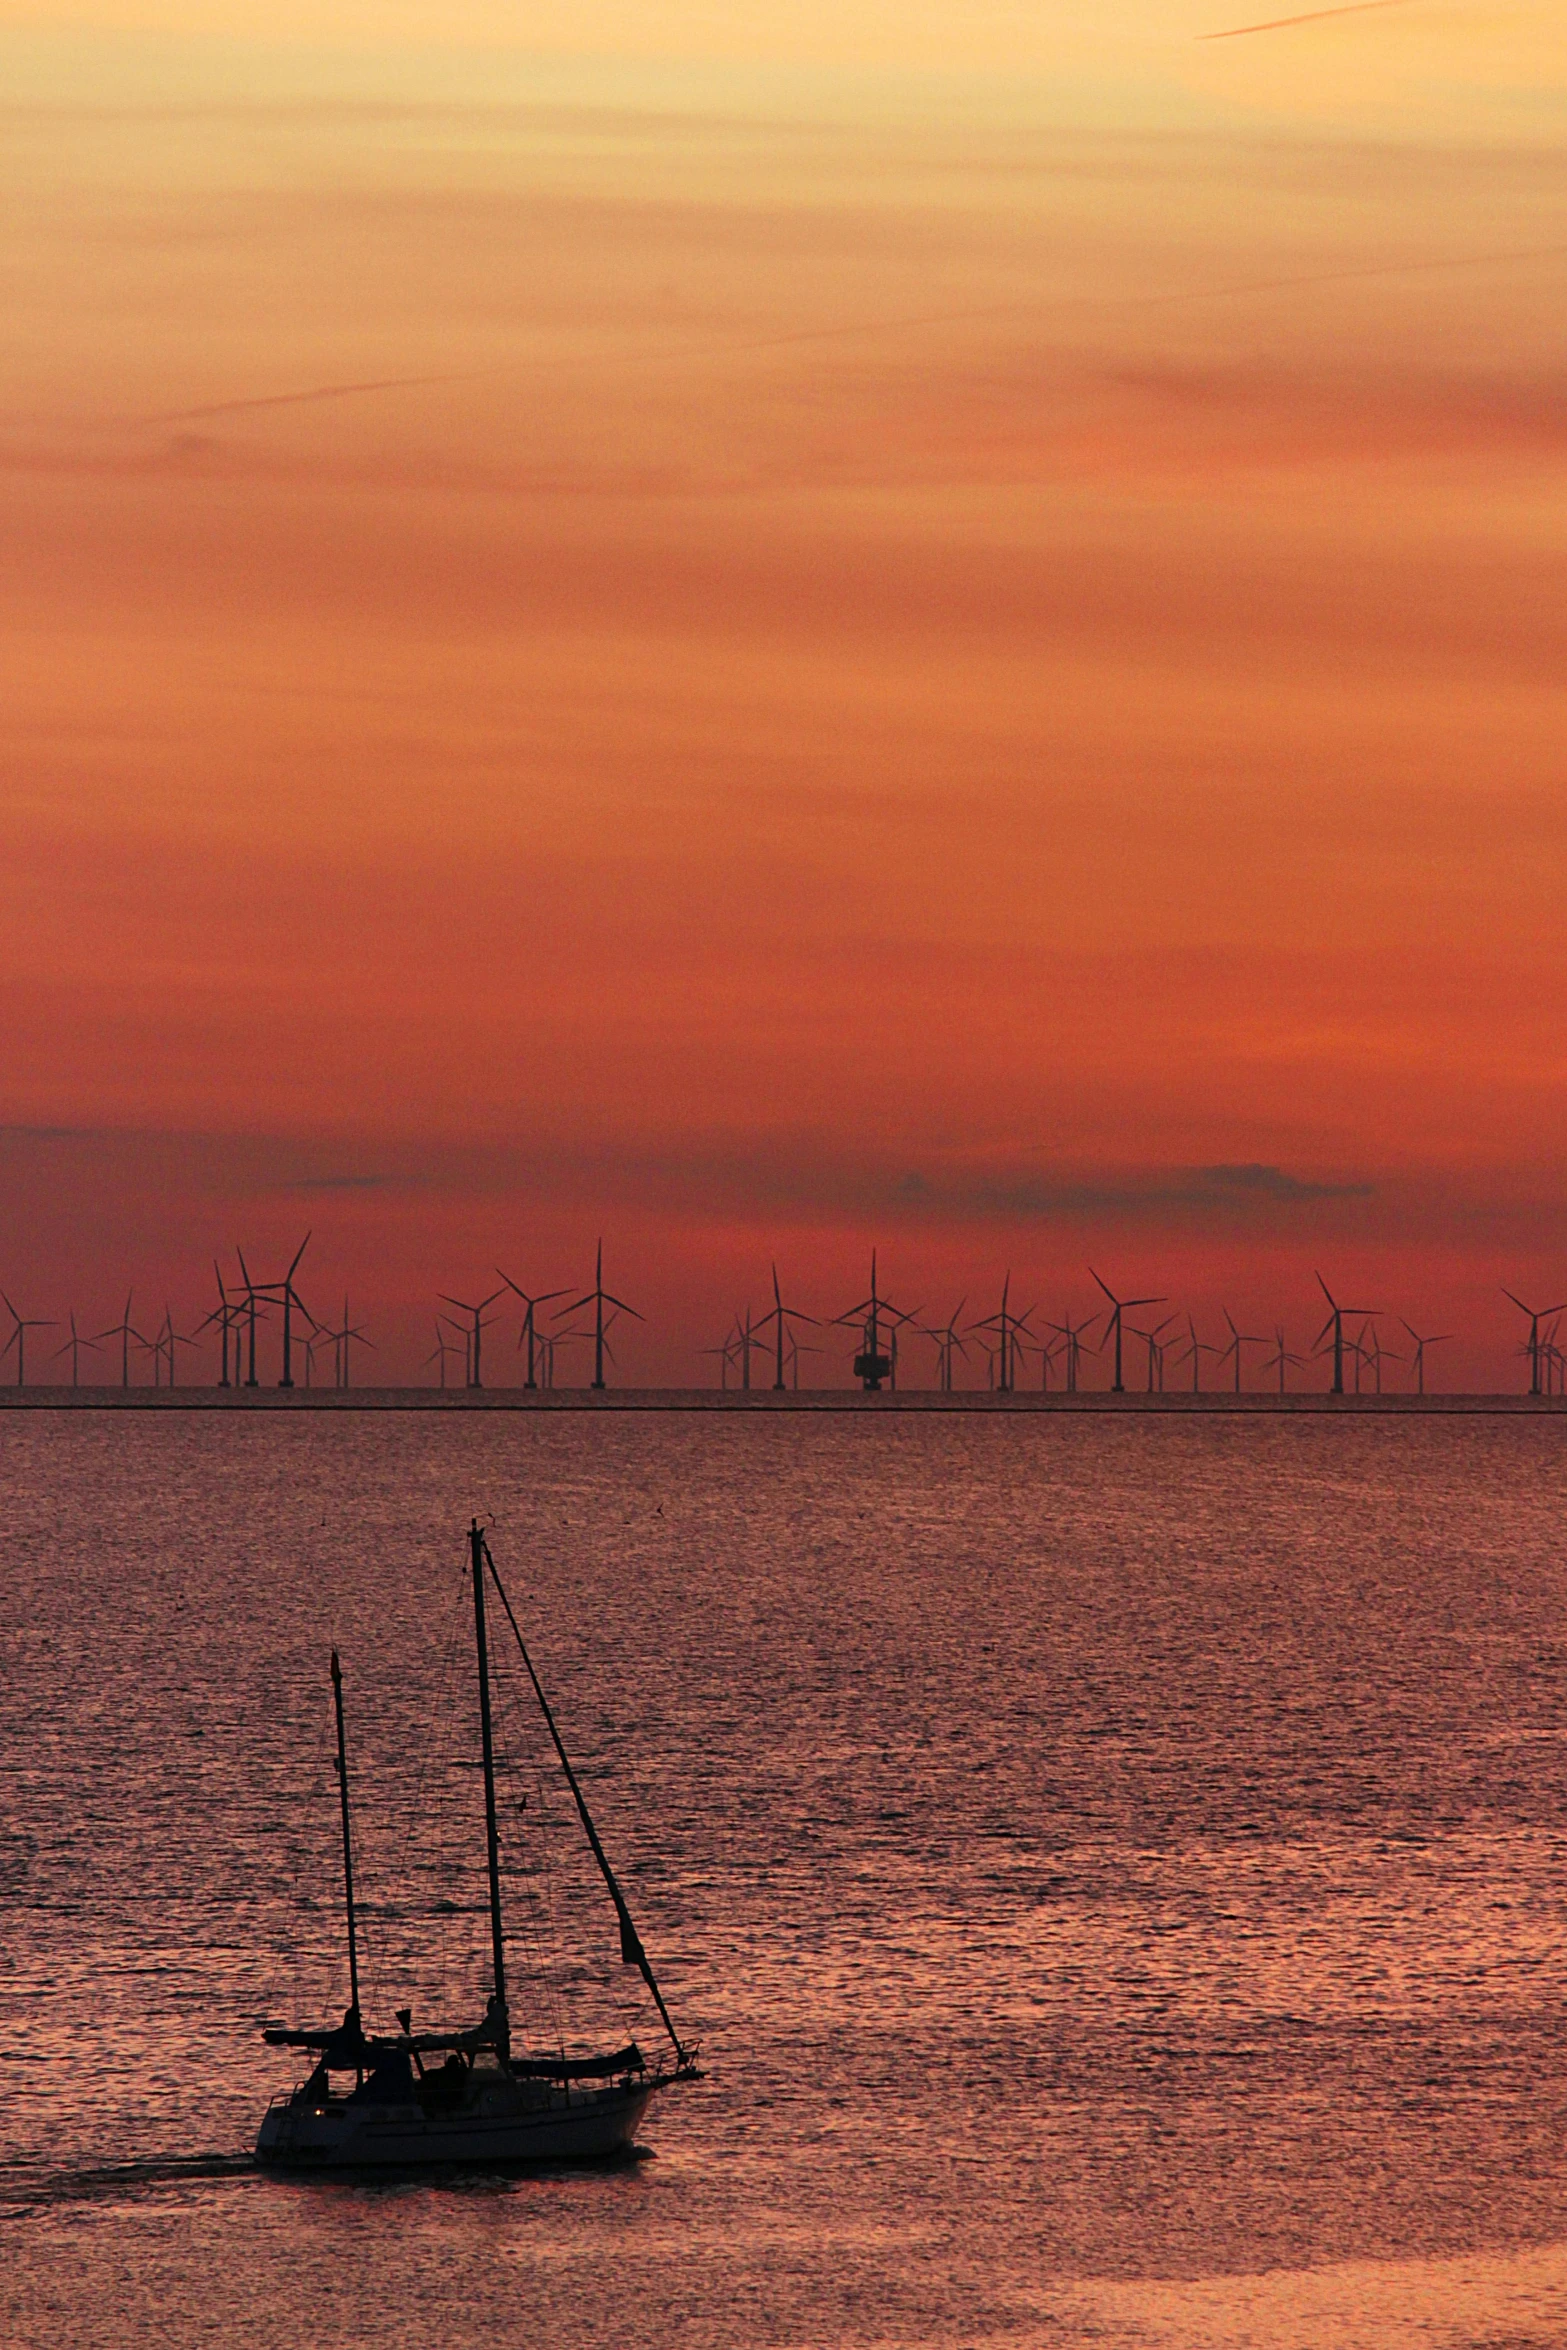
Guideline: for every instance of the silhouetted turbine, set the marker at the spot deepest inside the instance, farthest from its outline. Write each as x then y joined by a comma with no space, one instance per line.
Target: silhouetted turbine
124,1330
227,1315
1418,1358
342,1339
946,1341
743,1337
725,1355
1010,1329
285,1293
254,1312
442,1348
1335,1323
1071,1334
525,1336
1154,1341
598,1297
163,1345
73,1347
1197,1348
475,1365
22,1323
1281,1357
1238,1339
780,1317
871,1366
1112,1321
1536,1317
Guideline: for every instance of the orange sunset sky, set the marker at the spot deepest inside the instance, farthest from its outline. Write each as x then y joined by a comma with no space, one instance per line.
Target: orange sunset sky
763,627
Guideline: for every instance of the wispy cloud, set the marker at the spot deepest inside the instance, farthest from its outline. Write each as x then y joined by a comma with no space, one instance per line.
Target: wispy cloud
1222,1191
1262,1182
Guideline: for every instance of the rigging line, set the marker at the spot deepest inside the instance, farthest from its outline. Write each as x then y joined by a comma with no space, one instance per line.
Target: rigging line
631,1950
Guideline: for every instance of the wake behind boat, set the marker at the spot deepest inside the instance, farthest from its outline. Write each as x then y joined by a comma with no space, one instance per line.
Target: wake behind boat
476,2101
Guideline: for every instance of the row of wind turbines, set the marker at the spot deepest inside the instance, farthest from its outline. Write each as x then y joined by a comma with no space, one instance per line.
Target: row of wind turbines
1012,1342
246,1305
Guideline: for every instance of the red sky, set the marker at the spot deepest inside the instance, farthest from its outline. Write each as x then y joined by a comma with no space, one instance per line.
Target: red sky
943,630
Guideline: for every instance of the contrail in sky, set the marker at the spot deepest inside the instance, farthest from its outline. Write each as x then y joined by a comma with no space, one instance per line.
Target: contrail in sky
389,383
1277,24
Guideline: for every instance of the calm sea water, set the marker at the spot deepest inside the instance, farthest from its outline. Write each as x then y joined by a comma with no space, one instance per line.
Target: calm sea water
1116,1870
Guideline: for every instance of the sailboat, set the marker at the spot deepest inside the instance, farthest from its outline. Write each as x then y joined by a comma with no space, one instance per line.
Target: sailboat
477,2101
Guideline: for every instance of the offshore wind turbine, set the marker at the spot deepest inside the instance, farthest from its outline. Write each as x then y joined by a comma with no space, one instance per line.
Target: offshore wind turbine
342,1340
780,1317
742,1338
725,1355
73,1347
548,1342
167,1340
1238,1339
1536,1317
253,1309
1010,1329
1118,1307
1071,1336
290,1297
1375,1354
1155,1342
1196,1349
526,1335
442,1348
226,1313
1335,1323
947,1342
1417,1361
871,1366
18,1338
124,1330
598,1297
1280,1357
475,1336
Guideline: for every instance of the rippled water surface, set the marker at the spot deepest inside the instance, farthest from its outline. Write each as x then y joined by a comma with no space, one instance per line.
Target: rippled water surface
1115,1869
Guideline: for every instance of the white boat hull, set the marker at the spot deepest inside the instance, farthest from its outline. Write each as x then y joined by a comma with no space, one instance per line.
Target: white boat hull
504,2122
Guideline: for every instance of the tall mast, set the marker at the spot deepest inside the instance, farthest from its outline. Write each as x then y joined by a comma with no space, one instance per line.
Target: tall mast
348,1841
492,1832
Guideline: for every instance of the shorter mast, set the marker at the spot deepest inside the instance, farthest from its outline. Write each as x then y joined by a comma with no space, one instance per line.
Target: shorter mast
478,1553
348,1841
631,1950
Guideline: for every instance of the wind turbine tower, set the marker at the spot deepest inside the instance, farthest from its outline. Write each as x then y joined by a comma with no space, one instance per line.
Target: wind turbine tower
526,1336
598,1297
1120,1306
1536,1317
1335,1323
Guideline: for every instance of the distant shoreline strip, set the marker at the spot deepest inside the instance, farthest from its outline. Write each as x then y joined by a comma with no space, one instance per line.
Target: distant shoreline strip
761,1402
